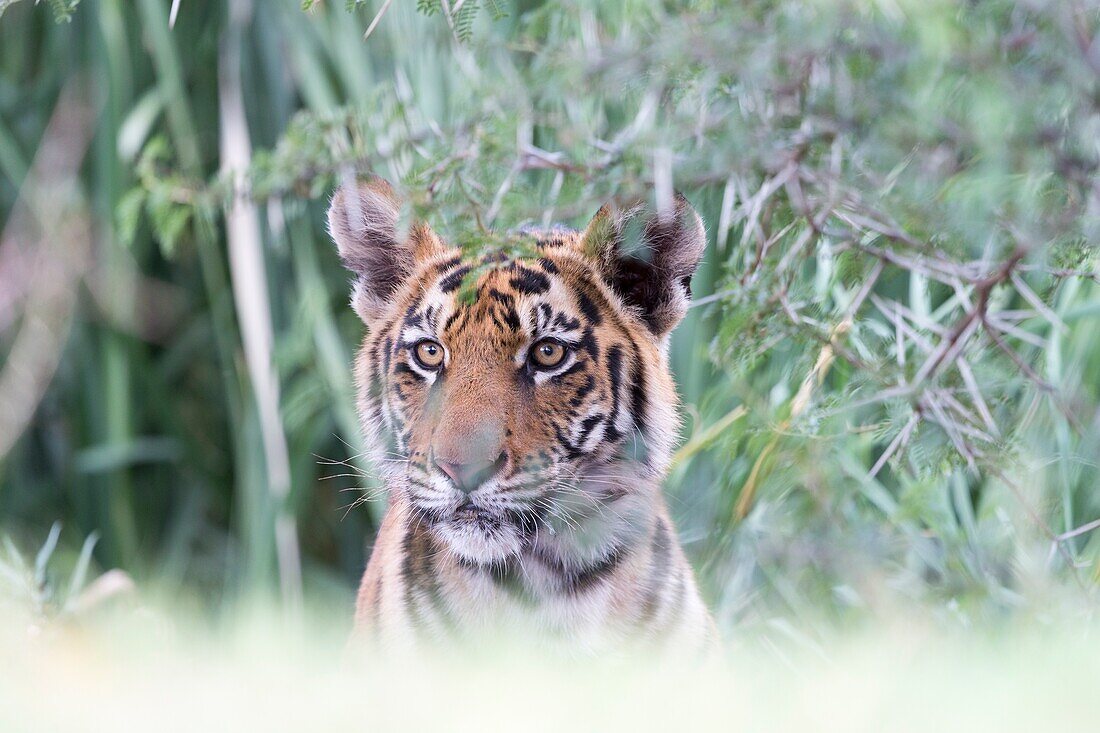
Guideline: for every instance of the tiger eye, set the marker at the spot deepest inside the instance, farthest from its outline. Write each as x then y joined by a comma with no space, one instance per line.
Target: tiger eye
547,354
429,354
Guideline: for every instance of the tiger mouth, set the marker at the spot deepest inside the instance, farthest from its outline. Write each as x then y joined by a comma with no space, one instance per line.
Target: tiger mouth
490,520
471,515
469,512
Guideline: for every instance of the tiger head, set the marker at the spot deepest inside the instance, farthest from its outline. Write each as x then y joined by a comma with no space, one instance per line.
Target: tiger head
511,400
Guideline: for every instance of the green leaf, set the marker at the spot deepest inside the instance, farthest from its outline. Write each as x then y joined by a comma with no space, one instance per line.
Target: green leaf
128,214
42,559
80,572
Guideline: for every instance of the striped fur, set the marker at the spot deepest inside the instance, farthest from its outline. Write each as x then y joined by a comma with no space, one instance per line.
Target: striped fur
570,538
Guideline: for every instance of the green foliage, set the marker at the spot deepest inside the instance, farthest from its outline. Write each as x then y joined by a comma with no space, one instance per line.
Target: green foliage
168,210
31,589
460,15
463,20
62,9
349,5
889,372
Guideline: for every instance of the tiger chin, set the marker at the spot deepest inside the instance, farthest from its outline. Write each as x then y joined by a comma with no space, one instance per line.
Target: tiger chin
522,414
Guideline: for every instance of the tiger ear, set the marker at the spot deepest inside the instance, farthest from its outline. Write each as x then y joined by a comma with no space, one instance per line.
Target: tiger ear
364,220
648,259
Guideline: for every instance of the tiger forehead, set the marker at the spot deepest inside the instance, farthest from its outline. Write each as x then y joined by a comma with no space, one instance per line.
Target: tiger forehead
511,297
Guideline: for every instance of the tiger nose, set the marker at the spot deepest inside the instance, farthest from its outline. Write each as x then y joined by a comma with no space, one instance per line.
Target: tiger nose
468,476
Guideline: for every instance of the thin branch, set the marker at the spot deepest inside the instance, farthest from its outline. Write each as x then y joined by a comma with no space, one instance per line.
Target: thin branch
976,395
1037,302
1083,529
377,19
900,441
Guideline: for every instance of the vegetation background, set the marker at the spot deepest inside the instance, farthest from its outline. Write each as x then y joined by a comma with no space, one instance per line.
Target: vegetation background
891,374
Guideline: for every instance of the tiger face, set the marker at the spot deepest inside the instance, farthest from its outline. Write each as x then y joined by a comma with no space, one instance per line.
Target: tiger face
517,401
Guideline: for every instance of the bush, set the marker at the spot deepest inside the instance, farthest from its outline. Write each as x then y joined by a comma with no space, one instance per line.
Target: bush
890,368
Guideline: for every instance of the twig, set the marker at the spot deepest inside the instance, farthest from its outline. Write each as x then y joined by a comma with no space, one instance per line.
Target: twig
377,19
952,344
707,435
1037,302
900,441
1038,520
951,428
976,394
1083,529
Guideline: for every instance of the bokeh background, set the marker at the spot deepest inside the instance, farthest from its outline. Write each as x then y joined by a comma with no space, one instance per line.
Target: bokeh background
891,374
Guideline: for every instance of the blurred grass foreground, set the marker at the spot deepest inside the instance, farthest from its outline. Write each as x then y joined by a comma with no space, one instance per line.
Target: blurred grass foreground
905,681
888,480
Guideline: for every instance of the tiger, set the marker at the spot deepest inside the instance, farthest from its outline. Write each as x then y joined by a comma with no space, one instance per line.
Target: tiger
521,412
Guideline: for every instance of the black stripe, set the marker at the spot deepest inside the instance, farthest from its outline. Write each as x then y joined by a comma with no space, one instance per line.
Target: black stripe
403,368
435,590
432,315
563,321
408,573
454,280
506,299
418,483
602,305
614,370
493,257
545,312
595,574
659,566
588,308
638,390
450,320
387,348
505,576
579,366
587,426
583,391
570,449
496,321
374,381
530,282
448,264
588,345
421,577
511,318
679,594
412,318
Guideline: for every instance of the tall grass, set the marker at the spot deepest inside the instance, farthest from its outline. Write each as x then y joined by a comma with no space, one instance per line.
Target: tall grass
890,379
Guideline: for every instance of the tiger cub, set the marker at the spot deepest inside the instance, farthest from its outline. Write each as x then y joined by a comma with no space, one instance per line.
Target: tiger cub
522,415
